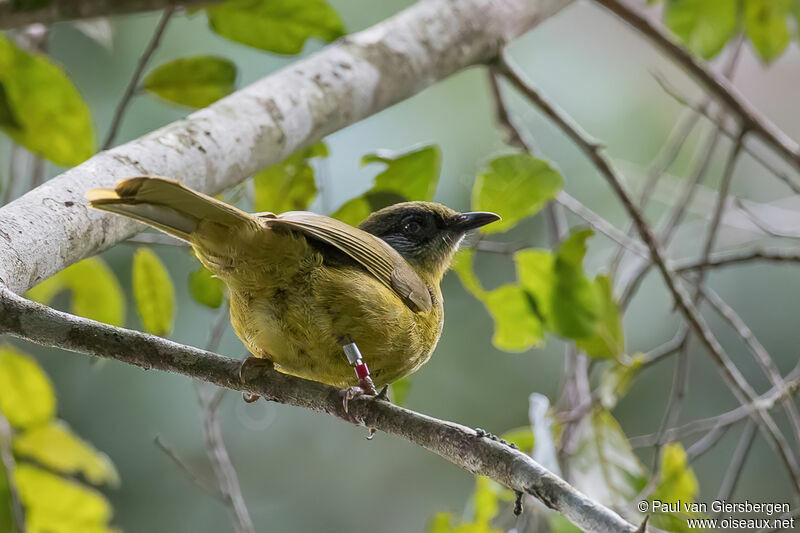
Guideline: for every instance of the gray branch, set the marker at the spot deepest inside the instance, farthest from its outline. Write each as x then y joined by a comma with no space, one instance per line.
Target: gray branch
458,444
15,15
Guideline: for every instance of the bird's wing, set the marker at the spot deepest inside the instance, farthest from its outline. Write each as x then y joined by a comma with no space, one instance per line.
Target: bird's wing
375,255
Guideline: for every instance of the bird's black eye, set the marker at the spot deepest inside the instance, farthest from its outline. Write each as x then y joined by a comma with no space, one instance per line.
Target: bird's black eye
412,227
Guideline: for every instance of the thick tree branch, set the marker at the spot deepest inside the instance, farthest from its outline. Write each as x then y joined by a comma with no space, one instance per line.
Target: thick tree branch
750,118
458,444
221,145
14,14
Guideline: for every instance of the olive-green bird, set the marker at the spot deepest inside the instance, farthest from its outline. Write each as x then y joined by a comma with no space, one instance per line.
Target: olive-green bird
308,292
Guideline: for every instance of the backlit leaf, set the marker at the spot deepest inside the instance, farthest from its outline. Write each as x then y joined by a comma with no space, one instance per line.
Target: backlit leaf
56,447
615,381
516,326
7,522
678,482
608,340
153,292
26,394
522,437
206,289
704,26
280,26
49,117
535,274
766,25
195,81
94,289
57,505
288,185
463,266
575,304
484,501
515,187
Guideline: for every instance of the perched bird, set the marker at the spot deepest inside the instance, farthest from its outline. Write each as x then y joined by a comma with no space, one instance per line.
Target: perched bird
313,295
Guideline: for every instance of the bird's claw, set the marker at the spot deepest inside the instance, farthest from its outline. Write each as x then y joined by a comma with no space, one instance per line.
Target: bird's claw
351,393
257,363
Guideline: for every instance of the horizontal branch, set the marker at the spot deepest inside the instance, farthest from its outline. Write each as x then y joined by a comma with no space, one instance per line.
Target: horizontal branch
749,117
458,444
15,15
214,148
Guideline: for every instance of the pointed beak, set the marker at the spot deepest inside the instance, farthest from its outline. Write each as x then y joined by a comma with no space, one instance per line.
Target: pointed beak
469,221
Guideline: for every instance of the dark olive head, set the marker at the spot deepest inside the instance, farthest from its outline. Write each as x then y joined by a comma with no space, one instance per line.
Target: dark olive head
426,234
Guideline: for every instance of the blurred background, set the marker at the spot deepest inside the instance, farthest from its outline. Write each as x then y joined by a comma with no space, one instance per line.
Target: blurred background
304,471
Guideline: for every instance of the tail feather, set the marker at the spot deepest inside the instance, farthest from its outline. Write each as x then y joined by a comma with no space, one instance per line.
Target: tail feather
170,207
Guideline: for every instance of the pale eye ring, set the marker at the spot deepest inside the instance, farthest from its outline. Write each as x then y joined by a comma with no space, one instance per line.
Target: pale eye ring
412,227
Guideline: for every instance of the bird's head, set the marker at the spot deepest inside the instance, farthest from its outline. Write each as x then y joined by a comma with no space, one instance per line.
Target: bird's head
426,234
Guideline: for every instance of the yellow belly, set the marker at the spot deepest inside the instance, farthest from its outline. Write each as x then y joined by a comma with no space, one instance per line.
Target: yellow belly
288,307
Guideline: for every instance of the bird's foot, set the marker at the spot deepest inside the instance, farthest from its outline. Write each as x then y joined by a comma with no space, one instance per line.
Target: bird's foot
249,365
365,387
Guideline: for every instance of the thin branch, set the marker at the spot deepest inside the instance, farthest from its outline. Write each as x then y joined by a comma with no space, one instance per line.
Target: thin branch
18,14
133,84
749,117
190,474
666,349
763,225
733,377
737,462
737,257
706,442
458,444
9,465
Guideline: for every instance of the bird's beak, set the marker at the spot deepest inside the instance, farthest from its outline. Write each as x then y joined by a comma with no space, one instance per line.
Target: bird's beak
469,221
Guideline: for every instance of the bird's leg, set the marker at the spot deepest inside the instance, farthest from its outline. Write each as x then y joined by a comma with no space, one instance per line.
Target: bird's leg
365,384
259,364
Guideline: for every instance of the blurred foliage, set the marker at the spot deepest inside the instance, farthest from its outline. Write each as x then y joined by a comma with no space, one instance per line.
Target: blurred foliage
41,109
49,456
279,26
153,292
206,288
288,185
195,81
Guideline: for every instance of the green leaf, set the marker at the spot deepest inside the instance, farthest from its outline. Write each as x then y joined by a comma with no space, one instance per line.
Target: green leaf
288,185
463,266
559,524
608,340
7,521
49,117
516,326
484,501
535,274
615,381
604,466
57,505
280,26
153,292
408,176
575,304
515,187
195,81
26,394
765,23
400,390
522,437
704,26
206,289
678,482
56,447
95,290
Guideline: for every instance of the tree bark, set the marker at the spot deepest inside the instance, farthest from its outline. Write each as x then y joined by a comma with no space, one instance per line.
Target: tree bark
214,148
13,15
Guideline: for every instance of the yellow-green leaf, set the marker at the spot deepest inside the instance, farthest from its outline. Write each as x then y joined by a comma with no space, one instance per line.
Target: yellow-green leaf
522,437
766,25
678,482
615,381
153,292
288,185
41,109
195,81
516,326
484,501
205,288
56,447
608,340
57,505
279,26
26,394
463,266
515,187
704,26
7,521
535,274
575,304
95,290
400,390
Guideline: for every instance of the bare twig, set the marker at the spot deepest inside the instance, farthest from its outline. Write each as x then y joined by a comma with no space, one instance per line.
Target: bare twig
190,474
706,442
749,117
733,377
458,444
133,84
737,257
7,460
737,462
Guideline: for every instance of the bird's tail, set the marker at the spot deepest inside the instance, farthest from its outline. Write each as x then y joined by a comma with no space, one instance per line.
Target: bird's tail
172,208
